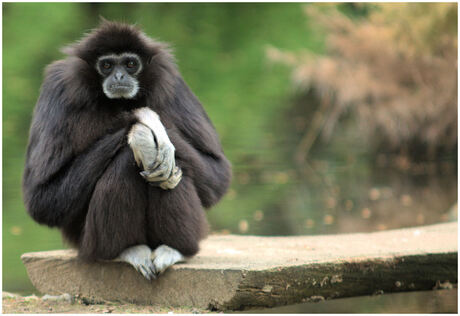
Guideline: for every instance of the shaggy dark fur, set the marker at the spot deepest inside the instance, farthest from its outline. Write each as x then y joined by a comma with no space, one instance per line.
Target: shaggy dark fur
80,174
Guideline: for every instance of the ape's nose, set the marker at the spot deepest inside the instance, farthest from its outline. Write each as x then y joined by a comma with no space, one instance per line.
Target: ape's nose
119,76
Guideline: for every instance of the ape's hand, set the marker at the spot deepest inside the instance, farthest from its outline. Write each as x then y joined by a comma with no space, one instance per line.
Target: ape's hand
152,147
173,180
142,142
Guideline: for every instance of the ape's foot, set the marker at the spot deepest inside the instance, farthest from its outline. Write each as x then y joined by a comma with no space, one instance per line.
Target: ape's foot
140,258
163,257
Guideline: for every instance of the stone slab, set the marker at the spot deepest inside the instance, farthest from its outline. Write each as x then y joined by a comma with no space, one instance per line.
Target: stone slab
234,272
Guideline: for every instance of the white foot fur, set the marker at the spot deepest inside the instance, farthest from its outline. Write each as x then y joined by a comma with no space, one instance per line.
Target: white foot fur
164,257
151,263
140,258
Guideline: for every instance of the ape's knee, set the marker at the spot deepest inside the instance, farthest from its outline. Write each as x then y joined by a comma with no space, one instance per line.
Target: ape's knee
189,249
93,248
87,250
177,217
187,239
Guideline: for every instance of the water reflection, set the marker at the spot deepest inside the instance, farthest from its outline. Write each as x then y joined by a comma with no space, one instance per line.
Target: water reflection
437,301
335,194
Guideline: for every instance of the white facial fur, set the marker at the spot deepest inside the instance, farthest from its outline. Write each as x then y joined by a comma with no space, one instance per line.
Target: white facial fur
111,95
133,82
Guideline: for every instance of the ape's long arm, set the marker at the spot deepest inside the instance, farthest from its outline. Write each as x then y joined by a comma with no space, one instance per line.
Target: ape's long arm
57,200
59,176
198,150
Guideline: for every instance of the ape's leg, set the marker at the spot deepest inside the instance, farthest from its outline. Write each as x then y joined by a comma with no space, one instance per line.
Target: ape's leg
116,213
176,222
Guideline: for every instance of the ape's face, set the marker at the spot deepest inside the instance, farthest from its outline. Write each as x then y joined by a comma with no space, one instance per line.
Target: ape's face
119,73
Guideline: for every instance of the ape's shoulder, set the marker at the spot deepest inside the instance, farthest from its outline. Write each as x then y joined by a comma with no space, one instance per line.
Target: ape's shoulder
70,82
65,69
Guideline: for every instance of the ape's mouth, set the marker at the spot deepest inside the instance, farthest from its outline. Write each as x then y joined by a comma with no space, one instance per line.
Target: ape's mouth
117,90
116,87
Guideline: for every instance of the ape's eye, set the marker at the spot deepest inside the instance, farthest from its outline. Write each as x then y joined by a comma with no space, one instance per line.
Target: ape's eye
131,64
106,65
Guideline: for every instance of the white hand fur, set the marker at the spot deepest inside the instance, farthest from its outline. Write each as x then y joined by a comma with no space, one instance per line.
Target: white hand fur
153,150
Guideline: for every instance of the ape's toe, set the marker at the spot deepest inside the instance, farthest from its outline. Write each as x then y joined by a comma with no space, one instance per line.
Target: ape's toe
140,258
164,257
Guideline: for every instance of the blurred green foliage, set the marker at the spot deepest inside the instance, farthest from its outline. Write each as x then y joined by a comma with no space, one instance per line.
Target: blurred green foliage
220,52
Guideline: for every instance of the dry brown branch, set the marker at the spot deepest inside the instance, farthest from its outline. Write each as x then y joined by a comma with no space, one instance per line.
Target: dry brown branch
396,71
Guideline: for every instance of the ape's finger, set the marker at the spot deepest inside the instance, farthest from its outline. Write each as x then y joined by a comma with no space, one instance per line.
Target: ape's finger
159,160
145,273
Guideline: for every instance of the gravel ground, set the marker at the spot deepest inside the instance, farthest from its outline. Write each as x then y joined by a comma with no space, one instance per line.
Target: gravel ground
13,303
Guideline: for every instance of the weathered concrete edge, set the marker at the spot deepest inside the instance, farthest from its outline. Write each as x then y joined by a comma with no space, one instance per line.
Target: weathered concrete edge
242,289
97,281
313,282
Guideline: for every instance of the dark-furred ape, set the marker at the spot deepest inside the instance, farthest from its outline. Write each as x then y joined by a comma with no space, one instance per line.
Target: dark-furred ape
122,156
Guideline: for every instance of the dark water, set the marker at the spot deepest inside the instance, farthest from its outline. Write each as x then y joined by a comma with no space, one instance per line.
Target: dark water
437,301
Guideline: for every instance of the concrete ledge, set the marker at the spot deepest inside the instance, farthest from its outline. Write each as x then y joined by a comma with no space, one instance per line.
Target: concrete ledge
239,272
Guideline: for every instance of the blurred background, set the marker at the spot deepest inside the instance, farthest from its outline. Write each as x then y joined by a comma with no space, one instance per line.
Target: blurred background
336,118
